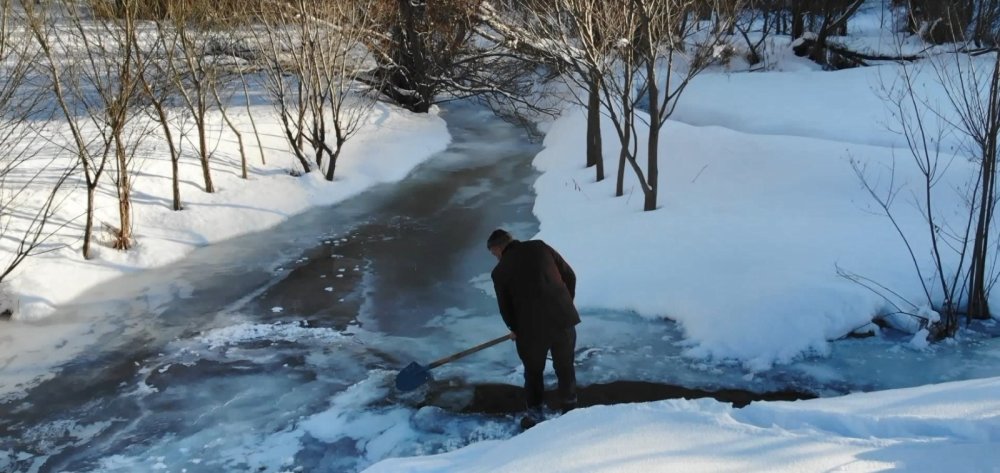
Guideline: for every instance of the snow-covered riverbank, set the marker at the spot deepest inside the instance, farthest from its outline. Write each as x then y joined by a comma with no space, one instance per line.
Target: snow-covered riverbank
391,142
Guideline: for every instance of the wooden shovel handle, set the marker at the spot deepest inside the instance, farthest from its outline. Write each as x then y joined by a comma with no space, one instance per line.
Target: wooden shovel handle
468,352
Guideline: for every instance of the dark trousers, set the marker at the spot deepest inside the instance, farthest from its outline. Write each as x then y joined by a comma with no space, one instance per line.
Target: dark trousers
533,350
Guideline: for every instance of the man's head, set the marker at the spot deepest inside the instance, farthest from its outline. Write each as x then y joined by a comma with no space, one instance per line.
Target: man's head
497,241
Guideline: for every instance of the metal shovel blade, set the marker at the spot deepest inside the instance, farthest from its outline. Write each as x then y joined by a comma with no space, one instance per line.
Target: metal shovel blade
412,377
415,375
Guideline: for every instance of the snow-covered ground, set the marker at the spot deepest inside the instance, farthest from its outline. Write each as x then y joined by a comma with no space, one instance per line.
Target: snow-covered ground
759,206
945,427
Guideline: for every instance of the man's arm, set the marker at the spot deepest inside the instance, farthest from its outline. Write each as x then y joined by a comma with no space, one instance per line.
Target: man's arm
565,271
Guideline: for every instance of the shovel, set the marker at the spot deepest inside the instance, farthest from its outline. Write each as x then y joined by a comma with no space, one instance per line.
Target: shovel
415,375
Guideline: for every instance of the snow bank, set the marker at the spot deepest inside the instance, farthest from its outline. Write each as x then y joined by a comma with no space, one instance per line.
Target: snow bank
946,427
389,145
753,223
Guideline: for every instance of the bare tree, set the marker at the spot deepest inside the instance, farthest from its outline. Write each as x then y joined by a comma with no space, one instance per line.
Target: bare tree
226,39
222,104
195,72
826,18
30,184
974,95
321,48
281,56
658,59
433,52
422,48
339,69
962,245
623,90
755,23
155,61
244,83
569,35
975,21
205,36
93,86
116,56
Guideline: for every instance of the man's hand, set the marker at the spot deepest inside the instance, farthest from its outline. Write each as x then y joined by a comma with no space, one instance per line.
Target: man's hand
513,336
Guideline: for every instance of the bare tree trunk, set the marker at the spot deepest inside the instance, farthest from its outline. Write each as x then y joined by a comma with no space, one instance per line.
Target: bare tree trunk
175,154
978,304
652,166
164,120
123,238
798,19
334,155
294,138
978,286
40,26
595,153
175,182
411,58
88,228
300,122
653,142
119,103
236,131
203,153
195,76
157,97
253,123
318,137
623,154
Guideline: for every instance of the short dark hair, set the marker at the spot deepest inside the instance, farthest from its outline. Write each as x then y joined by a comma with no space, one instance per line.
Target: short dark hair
498,237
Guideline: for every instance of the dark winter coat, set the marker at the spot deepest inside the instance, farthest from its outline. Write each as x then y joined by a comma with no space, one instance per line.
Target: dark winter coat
535,288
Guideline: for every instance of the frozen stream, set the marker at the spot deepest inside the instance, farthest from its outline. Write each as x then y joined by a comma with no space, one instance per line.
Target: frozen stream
277,351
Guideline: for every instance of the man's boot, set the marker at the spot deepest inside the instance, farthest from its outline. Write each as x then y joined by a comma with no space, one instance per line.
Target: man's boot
532,416
568,402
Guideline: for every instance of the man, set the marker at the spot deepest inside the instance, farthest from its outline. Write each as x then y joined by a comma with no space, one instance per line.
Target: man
535,290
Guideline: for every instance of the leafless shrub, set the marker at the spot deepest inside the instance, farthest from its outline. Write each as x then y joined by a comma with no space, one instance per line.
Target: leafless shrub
755,23
31,183
662,47
314,56
571,37
939,21
92,70
963,267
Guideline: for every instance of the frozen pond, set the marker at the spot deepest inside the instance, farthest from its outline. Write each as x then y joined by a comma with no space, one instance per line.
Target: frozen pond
277,351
